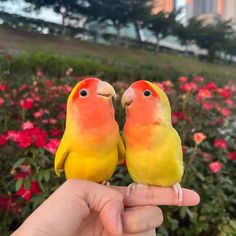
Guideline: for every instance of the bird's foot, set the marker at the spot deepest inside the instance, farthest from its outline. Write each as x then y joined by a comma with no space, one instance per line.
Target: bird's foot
106,183
133,187
178,194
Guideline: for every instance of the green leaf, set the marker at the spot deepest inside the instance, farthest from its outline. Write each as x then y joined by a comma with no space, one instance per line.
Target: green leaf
47,175
19,183
19,162
27,183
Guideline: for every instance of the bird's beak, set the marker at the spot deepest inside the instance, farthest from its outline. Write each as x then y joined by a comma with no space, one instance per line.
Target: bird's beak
127,97
106,90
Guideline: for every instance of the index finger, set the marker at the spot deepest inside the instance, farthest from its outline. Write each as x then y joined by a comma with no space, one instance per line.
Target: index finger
157,196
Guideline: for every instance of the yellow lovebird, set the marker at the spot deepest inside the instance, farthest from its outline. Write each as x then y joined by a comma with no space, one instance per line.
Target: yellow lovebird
153,147
91,145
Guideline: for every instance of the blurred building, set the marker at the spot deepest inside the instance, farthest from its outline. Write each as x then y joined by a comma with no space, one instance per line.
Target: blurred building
211,11
166,6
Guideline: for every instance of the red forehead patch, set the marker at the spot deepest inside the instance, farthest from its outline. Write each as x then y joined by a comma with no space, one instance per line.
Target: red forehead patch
143,85
85,84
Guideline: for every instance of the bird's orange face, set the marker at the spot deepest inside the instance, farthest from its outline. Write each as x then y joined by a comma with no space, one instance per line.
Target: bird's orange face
141,101
90,103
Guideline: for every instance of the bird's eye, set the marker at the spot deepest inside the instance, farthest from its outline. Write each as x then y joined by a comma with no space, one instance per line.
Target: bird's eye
83,93
147,93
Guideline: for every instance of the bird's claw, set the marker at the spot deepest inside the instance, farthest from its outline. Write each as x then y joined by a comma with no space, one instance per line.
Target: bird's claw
178,194
134,187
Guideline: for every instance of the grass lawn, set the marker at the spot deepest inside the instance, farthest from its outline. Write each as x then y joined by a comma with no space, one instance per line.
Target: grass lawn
18,40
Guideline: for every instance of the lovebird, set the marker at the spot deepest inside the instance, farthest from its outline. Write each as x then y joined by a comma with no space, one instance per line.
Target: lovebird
91,145
153,147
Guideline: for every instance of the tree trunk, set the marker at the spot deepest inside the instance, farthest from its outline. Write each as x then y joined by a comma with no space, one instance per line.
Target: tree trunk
211,54
63,30
157,47
118,37
137,27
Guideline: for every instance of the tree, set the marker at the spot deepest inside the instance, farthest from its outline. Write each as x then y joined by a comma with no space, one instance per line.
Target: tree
66,8
160,25
139,14
187,33
213,38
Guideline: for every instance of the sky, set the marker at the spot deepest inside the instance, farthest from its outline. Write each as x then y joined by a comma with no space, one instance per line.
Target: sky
44,14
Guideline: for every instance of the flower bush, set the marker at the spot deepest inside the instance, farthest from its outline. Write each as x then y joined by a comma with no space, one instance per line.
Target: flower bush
32,121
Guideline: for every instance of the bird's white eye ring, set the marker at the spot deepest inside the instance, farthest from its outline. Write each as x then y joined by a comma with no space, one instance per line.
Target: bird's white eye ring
83,93
147,93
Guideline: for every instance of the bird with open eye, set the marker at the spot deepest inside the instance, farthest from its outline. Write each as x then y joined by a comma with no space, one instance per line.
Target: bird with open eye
153,147
91,145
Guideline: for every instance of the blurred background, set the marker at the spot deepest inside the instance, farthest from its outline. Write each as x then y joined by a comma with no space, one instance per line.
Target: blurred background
187,47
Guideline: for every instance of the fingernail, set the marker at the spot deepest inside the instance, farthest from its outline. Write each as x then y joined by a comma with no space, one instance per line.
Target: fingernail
119,225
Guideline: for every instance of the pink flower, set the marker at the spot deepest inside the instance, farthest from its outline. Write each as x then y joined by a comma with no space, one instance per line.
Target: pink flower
39,113
39,74
3,139
52,145
69,71
207,106
1,101
167,83
215,166
13,135
26,104
225,112
183,79
161,86
199,137
220,143
204,93
231,155
229,102
198,78
189,87
27,125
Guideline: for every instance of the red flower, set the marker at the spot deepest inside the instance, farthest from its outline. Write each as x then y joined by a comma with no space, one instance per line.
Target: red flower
24,139
167,83
26,104
184,150
13,135
1,101
56,132
220,143
38,136
48,83
52,145
27,193
226,93
178,116
230,102
3,87
189,87
211,86
231,155
3,139
204,93
199,137
39,113
183,79
215,166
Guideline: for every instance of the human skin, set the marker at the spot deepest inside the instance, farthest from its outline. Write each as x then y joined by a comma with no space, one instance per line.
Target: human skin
81,207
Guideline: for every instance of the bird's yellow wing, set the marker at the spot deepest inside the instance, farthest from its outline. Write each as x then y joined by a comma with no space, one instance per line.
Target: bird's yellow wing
60,157
121,150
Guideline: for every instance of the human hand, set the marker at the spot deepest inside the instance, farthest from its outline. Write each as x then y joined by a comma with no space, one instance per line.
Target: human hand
80,207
